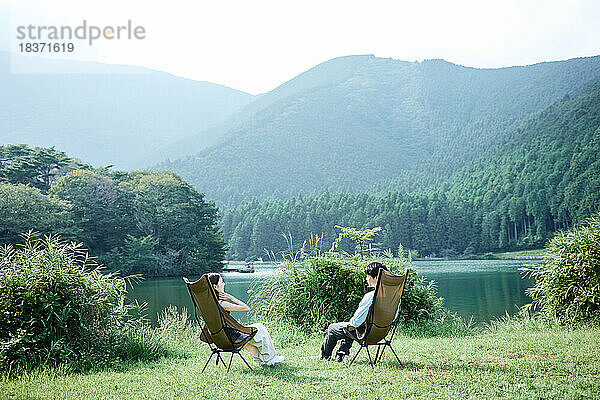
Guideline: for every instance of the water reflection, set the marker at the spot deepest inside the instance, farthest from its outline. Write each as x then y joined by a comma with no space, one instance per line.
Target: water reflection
482,294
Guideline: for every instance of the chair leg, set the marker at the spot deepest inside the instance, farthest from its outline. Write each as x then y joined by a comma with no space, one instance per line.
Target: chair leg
392,349
377,354
369,354
381,354
230,360
243,359
219,358
207,361
356,355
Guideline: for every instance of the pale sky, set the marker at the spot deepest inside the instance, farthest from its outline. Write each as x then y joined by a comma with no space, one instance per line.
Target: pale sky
257,45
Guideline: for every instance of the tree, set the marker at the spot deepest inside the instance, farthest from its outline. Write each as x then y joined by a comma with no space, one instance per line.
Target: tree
99,209
173,212
34,167
23,208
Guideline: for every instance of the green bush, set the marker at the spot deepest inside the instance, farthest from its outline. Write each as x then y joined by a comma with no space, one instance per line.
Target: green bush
180,332
328,287
568,283
324,291
58,308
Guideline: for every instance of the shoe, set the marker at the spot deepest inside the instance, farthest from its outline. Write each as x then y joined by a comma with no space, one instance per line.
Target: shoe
339,357
272,361
276,360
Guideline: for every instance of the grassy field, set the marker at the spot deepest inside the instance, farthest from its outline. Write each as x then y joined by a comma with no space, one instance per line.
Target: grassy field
518,360
510,255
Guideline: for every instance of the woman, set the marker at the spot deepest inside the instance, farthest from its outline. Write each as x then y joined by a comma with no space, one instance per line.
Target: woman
261,345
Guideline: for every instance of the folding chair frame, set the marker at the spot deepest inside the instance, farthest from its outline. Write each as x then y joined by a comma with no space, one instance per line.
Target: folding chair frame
381,345
214,349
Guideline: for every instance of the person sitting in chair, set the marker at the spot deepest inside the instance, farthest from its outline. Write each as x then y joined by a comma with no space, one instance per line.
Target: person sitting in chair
335,332
261,345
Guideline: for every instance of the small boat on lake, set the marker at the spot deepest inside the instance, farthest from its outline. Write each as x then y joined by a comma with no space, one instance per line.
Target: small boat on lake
248,268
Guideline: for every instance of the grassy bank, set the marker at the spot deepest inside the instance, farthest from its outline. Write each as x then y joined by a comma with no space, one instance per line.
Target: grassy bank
508,360
512,255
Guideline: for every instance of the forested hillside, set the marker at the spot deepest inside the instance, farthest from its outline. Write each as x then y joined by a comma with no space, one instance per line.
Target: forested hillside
355,122
543,176
115,114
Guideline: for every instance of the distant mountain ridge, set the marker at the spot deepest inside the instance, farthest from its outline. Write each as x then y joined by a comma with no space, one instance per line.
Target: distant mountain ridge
352,122
108,114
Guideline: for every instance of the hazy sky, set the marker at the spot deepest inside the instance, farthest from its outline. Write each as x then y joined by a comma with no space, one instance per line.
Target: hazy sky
257,45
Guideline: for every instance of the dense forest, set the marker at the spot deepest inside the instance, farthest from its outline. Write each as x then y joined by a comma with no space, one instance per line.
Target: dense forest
543,177
138,222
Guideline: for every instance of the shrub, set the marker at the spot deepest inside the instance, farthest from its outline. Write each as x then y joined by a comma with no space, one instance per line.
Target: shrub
568,283
58,308
324,291
329,287
180,332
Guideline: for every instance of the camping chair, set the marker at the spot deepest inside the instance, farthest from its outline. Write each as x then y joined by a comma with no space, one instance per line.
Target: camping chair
221,331
381,317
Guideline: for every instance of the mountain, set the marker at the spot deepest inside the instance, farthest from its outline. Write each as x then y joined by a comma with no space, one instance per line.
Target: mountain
353,122
107,114
329,73
543,177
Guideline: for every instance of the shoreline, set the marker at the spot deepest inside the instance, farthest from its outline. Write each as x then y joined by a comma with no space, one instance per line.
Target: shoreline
535,254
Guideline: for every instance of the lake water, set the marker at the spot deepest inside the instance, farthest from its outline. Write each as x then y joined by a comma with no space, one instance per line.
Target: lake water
482,289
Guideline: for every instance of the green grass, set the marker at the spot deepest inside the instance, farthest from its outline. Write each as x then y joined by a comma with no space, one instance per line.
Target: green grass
528,360
510,255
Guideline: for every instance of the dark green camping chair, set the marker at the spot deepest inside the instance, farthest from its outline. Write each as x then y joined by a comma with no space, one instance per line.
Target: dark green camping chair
221,331
381,317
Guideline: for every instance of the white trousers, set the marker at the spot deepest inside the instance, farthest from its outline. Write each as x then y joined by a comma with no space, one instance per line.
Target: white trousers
264,344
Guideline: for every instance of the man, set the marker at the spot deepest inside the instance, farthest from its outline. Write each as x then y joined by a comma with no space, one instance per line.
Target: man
335,331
